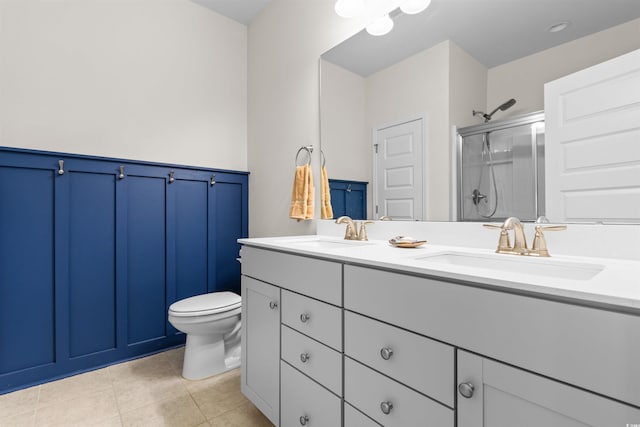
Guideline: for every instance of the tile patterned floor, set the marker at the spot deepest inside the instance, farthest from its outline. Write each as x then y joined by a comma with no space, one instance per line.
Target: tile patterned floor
143,392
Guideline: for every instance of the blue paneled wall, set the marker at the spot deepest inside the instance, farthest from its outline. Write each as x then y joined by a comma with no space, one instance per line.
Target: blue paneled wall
91,259
348,198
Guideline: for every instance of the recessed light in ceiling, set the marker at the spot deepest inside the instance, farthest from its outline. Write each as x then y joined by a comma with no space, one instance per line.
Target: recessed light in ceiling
557,27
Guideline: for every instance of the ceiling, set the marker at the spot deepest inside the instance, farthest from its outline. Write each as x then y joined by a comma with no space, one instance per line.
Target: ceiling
242,11
492,31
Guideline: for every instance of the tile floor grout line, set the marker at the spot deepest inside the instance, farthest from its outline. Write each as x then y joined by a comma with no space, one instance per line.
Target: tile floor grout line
197,405
108,381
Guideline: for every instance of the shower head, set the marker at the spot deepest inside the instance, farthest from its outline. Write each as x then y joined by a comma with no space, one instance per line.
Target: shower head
507,105
503,107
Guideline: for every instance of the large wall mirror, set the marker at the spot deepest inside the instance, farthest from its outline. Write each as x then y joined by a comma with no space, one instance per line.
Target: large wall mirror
425,78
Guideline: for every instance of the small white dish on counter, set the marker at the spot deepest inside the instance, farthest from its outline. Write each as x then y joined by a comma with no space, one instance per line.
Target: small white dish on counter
406,242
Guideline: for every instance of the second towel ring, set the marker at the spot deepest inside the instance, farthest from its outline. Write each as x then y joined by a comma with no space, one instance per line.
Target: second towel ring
309,150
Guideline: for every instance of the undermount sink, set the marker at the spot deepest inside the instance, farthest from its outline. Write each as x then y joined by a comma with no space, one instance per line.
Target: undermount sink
517,264
324,243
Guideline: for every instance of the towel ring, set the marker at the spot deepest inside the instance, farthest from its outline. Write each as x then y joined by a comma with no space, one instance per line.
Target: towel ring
309,150
323,158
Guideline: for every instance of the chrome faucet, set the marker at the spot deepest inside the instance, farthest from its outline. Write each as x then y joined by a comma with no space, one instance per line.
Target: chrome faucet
351,232
519,239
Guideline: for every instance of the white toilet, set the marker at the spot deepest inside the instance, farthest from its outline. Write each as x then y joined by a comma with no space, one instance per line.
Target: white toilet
212,324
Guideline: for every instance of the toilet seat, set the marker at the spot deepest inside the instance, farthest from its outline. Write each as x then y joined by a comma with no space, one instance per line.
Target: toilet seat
202,305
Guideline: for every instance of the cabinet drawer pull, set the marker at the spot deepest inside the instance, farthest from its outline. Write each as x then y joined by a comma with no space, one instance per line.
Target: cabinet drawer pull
304,357
304,420
386,407
466,390
386,353
60,167
304,317
273,305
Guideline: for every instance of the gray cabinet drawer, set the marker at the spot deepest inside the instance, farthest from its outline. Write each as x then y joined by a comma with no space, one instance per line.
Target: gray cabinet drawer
367,390
302,397
317,278
421,363
316,360
320,321
536,334
355,418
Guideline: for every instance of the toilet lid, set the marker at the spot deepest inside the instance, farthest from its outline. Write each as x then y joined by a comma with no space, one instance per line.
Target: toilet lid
215,302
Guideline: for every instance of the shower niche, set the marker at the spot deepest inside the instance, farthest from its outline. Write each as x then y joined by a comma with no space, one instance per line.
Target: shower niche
501,169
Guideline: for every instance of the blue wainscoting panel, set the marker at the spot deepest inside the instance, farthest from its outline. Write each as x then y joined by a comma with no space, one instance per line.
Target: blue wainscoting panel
227,207
190,237
348,198
93,250
92,311
26,269
145,235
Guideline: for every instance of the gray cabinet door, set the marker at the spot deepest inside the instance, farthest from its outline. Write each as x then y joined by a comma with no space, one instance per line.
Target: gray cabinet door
492,394
261,346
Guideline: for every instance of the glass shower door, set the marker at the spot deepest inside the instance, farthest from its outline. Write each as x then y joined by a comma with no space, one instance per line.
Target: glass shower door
502,171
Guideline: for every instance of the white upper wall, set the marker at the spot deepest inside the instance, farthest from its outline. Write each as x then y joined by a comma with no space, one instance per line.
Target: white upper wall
285,44
154,80
418,87
345,138
467,86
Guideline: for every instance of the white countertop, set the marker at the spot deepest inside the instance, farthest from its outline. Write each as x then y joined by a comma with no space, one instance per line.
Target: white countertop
617,284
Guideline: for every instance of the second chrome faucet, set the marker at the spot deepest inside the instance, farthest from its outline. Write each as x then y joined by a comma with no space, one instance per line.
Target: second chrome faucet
352,232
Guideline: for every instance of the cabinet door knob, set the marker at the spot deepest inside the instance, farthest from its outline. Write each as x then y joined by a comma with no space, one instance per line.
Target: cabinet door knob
386,353
304,317
273,305
304,420
466,389
386,407
304,357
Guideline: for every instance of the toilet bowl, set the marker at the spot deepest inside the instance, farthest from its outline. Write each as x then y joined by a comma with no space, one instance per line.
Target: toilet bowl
212,324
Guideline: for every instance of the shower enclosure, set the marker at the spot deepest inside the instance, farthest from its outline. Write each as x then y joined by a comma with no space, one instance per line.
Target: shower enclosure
501,169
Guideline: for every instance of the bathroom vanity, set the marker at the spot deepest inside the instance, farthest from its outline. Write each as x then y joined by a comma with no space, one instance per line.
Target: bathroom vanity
339,333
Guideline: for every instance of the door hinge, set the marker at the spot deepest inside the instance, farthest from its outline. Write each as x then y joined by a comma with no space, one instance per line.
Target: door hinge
375,147
376,209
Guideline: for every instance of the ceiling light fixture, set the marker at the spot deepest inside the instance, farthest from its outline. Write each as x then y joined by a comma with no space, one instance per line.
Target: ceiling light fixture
412,7
349,8
560,26
380,26
378,8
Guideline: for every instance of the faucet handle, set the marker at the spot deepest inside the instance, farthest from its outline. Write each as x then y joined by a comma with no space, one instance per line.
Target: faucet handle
551,227
362,235
504,243
539,246
499,227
